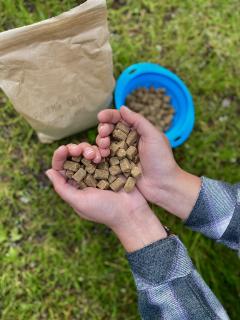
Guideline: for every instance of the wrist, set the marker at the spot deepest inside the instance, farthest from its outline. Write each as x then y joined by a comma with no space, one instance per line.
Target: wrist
179,195
142,229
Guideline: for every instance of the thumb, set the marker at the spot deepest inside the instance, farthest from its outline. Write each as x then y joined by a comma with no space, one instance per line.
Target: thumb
67,192
142,125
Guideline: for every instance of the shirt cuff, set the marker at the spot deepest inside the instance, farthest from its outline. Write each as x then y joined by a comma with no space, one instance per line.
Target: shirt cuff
213,209
159,262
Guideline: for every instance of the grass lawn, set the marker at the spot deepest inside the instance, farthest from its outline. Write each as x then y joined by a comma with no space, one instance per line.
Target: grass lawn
52,264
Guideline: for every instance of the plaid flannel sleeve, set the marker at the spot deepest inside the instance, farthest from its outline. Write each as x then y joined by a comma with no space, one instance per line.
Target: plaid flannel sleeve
216,213
169,287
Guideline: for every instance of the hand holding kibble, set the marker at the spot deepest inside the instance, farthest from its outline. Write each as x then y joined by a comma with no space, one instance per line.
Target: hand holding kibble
119,170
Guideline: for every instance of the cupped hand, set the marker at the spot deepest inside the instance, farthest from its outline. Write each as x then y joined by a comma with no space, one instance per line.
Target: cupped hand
162,182
156,157
102,206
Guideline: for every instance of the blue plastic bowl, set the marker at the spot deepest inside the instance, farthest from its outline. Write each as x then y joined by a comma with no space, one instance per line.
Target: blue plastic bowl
150,74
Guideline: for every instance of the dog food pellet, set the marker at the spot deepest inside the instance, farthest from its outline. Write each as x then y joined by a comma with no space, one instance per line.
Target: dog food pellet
103,184
70,165
131,152
119,135
111,178
125,165
114,170
90,168
69,174
86,162
114,148
82,185
77,159
103,165
101,174
90,181
122,145
123,127
136,172
130,184
126,174
114,161
79,175
121,153
117,184
132,137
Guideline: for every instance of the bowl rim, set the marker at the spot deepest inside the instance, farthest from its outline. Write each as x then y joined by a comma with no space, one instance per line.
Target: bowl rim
133,71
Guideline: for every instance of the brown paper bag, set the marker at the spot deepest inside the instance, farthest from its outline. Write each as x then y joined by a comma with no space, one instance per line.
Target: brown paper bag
58,72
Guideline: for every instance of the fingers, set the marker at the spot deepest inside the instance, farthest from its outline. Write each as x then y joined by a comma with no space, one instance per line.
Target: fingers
60,155
104,152
105,129
98,156
109,116
67,192
103,143
75,150
142,125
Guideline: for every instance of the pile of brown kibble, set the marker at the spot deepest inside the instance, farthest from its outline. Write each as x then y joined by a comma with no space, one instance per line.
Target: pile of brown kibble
119,170
154,105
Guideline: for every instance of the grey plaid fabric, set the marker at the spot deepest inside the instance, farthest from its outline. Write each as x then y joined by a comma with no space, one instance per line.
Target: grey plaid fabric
169,287
216,213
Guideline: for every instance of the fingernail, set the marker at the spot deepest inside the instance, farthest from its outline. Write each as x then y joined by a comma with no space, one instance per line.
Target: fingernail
49,174
88,151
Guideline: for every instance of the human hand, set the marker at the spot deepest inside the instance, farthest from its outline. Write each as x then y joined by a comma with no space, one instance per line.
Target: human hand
163,182
128,215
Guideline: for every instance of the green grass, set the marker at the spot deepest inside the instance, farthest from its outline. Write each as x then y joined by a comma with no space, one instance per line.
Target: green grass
52,264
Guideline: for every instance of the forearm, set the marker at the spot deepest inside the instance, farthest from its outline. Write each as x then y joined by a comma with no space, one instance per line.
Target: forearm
142,229
179,193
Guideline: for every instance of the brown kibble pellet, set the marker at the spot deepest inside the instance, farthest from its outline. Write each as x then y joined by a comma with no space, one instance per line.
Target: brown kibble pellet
125,165
103,165
123,127
69,174
71,165
131,152
86,162
101,174
166,99
130,184
103,185
90,181
121,153
127,174
77,159
136,172
114,161
90,168
122,145
111,178
114,170
82,185
132,137
79,175
119,135
114,148
117,184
